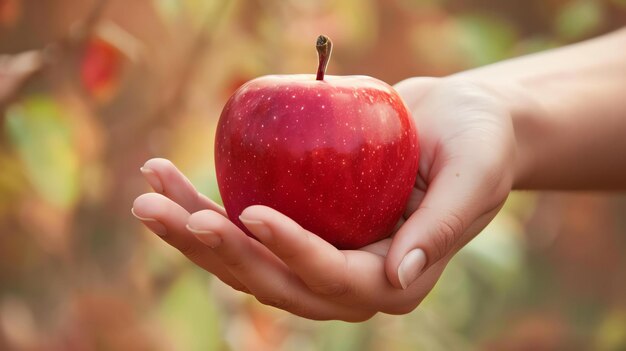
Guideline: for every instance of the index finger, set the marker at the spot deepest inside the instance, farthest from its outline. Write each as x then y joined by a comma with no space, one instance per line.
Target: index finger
166,179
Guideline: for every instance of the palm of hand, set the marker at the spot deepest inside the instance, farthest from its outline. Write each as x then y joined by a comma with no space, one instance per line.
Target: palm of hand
466,142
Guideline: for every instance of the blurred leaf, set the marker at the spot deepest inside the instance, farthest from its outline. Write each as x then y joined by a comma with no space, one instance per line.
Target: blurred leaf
481,278
356,22
579,18
611,333
497,252
188,313
169,9
100,69
43,140
485,39
453,299
423,329
198,11
341,336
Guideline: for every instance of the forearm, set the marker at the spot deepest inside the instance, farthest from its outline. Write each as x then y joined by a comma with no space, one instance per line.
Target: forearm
569,113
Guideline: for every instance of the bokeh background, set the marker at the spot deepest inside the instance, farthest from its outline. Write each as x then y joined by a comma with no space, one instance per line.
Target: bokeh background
89,90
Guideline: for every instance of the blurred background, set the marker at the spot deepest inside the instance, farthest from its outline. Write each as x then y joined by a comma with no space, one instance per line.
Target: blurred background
89,90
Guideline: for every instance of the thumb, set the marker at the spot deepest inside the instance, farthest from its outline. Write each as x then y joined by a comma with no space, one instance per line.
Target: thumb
454,209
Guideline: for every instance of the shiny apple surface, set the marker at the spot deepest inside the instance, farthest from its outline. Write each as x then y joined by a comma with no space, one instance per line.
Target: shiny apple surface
339,155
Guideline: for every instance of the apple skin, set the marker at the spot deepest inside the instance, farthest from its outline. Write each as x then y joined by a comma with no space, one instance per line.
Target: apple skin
339,156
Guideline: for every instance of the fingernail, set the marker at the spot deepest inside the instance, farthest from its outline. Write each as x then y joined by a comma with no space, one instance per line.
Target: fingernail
411,267
258,228
152,178
154,225
208,237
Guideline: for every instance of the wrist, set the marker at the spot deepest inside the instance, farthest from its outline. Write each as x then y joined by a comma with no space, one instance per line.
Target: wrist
527,117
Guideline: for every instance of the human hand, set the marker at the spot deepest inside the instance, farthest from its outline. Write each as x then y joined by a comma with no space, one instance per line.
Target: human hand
467,168
290,268
465,175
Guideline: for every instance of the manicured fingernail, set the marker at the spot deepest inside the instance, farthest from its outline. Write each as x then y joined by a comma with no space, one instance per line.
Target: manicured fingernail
152,178
258,228
208,237
154,225
411,267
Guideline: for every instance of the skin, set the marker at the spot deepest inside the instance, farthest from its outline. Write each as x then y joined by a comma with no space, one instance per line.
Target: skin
554,120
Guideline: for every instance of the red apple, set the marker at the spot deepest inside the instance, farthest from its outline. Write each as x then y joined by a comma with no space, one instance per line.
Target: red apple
339,155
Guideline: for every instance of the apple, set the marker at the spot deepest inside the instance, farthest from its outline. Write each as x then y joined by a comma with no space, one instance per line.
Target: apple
339,155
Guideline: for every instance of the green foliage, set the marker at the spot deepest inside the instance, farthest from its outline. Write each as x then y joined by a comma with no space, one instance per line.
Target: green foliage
341,336
188,314
197,11
42,135
485,38
611,334
579,18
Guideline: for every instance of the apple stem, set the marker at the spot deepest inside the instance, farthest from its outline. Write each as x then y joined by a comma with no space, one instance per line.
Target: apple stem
324,48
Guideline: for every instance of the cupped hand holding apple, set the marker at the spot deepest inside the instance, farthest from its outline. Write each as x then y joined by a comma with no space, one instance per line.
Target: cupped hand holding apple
465,174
